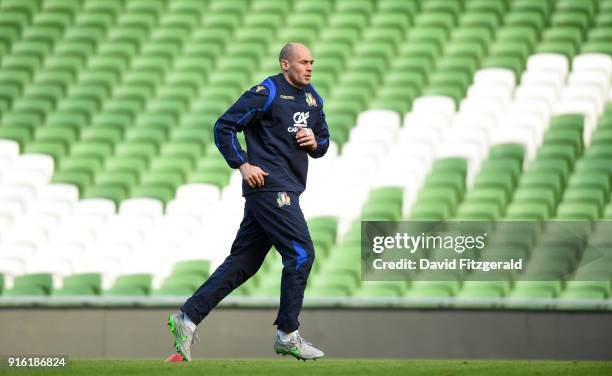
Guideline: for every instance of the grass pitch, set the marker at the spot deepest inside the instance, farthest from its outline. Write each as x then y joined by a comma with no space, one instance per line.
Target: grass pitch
351,367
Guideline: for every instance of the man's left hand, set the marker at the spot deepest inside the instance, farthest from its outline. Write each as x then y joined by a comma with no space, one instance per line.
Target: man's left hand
306,139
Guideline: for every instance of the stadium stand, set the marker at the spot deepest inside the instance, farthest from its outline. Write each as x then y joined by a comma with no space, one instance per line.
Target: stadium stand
110,183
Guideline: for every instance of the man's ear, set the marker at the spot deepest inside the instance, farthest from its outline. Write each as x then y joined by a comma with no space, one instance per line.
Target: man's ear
284,64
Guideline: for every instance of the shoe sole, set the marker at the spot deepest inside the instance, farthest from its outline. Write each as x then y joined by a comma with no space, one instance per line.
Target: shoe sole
177,344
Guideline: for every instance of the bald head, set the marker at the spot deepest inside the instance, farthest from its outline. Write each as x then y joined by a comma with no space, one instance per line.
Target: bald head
296,64
288,49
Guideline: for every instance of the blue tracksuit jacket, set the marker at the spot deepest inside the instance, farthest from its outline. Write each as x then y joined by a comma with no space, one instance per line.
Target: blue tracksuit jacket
270,114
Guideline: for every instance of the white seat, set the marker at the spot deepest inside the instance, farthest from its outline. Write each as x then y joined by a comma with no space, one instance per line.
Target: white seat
549,62
142,206
389,176
68,251
40,163
532,107
57,266
23,251
6,221
11,208
495,76
26,233
374,153
544,93
419,133
206,193
423,119
543,78
76,229
587,93
9,148
120,234
47,223
178,222
497,92
380,119
26,178
493,108
11,266
58,209
527,121
108,267
593,61
5,165
95,206
59,191
366,135
19,193
434,104
198,211
480,121
590,78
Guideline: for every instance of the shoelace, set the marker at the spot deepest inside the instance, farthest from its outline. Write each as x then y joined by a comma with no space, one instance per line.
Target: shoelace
301,340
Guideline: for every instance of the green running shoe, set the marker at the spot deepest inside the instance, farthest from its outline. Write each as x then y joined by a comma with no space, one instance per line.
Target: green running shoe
297,347
183,336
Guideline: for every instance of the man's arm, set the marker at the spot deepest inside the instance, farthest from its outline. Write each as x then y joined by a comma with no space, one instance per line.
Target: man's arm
247,109
321,137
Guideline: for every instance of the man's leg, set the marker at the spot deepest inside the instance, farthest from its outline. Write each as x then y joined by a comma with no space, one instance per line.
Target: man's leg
286,227
246,256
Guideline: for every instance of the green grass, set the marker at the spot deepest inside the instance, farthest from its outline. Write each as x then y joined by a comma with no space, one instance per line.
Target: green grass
326,367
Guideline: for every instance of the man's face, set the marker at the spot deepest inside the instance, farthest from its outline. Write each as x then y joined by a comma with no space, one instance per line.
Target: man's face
299,66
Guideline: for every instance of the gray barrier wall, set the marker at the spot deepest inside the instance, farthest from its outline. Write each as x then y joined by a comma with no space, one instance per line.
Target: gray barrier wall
341,333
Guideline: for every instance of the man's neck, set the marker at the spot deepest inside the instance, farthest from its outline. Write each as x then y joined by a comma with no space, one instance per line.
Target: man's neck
290,82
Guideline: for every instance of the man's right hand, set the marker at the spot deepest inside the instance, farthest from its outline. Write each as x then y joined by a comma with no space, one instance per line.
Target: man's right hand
253,175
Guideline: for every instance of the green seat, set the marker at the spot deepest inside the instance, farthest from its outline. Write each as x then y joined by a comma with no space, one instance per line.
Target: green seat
401,7
549,180
25,290
538,211
578,211
452,179
495,180
526,18
83,281
537,196
564,19
513,63
550,165
502,164
163,194
483,19
31,284
138,282
590,180
81,180
518,34
429,212
55,149
487,195
108,191
444,195
561,47
479,211
90,166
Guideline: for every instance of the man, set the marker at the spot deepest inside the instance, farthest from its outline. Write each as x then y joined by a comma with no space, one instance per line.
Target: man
284,123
